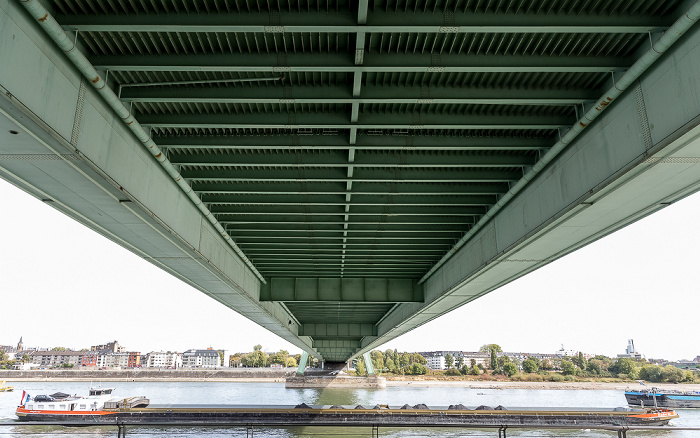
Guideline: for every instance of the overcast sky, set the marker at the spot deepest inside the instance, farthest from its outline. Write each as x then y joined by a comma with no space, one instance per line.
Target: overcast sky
64,285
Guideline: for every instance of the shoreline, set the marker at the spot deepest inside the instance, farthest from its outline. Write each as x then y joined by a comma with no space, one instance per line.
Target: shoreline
499,385
419,383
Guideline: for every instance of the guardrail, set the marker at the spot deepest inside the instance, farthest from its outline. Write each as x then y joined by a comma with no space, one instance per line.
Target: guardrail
250,429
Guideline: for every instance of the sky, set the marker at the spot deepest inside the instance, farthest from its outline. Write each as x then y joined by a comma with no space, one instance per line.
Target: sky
62,284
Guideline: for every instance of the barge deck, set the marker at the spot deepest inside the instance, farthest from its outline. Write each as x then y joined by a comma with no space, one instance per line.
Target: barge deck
383,415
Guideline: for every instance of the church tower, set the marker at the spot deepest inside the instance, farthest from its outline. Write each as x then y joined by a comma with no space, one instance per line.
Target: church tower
20,345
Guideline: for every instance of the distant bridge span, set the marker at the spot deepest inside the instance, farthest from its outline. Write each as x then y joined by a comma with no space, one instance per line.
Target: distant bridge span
342,172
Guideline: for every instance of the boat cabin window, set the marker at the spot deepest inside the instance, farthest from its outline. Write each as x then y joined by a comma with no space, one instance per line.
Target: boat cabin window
40,407
62,407
100,391
82,406
52,407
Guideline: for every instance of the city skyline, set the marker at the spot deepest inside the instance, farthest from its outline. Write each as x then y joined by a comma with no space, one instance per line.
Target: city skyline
56,273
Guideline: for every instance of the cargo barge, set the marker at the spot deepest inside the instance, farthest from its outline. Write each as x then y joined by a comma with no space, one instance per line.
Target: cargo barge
99,408
656,397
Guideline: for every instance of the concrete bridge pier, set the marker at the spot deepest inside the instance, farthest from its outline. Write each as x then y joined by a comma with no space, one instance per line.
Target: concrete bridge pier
331,378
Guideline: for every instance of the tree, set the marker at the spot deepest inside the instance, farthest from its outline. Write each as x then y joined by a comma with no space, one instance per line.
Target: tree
546,365
509,369
491,347
3,356
568,368
257,348
494,360
360,369
419,359
449,360
377,359
418,369
221,357
672,374
403,360
595,366
460,362
625,366
530,366
390,365
580,361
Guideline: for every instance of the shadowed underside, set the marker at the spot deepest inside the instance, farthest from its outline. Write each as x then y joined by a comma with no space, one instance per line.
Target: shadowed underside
347,146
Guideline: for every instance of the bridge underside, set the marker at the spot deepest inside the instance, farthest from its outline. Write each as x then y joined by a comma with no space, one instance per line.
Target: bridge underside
342,172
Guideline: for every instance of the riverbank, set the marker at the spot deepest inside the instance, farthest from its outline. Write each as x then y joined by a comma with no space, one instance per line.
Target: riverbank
473,384
149,375
268,375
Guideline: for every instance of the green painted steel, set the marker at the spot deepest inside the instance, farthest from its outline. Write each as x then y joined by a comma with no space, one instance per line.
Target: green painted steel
368,364
356,290
337,331
373,63
302,363
345,147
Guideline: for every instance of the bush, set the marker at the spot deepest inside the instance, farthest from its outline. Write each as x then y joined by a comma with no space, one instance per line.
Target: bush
672,374
567,368
569,378
530,366
555,377
453,372
509,369
418,369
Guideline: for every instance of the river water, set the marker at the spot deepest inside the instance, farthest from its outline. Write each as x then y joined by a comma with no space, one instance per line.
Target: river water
276,393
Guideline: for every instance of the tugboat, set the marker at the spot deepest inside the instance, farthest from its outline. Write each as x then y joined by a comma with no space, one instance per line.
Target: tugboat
656,397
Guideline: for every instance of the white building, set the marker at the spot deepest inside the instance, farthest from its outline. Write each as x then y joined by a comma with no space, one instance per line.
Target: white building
201,359
630,351
50,359
435,360
482,358
159,359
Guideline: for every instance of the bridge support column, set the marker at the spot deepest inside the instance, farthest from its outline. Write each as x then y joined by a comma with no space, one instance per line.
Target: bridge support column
302,363
368,364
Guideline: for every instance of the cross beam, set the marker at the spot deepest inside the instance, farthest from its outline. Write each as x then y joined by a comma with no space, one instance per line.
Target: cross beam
377,22
369,94
373,62
339,140
337,330
362,290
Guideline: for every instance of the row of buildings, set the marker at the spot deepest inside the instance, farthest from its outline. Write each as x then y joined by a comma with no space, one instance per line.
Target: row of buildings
436,359
113,355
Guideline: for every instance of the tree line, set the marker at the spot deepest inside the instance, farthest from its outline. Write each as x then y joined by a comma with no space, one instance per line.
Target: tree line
391,361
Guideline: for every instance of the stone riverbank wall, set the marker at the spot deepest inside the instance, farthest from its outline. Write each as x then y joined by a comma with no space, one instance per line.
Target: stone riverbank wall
147,374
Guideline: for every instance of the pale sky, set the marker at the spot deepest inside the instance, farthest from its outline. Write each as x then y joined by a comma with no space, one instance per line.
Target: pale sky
62,284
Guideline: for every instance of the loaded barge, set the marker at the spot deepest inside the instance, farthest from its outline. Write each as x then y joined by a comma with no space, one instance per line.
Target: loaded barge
100,407
663,398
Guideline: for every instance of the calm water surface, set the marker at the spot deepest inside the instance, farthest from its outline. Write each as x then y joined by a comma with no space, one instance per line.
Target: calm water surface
275,393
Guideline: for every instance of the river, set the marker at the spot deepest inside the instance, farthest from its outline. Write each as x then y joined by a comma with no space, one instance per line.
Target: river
276,393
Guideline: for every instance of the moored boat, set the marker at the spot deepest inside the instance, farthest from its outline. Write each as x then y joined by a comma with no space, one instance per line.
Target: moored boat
64,407
656,397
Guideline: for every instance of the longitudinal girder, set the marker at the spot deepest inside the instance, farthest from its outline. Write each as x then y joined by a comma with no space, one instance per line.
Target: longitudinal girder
356,139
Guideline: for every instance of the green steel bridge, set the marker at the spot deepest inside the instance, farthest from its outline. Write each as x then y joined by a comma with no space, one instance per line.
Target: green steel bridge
343,171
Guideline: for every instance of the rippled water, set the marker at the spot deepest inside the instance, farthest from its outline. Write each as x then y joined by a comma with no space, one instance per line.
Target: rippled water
275,393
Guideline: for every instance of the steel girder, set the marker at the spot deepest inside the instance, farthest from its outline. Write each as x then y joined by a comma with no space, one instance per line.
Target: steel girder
357,143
